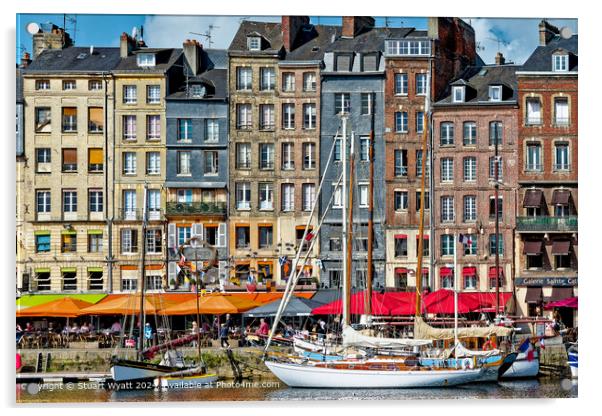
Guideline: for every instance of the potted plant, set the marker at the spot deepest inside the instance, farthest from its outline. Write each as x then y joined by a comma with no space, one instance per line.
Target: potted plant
172,284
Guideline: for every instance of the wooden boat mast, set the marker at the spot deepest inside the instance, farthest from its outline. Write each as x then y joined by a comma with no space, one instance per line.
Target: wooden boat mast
348,260
369,269
142,319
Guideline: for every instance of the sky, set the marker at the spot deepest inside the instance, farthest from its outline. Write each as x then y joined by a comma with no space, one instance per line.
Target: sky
515,38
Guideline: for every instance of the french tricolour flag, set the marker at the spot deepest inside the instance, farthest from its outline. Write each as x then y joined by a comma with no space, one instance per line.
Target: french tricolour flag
527,348
465,239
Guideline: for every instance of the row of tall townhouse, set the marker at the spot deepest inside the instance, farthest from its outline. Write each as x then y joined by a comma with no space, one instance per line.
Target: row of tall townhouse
232,145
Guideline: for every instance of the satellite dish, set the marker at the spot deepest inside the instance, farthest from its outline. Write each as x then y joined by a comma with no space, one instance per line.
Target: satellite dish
566,32
32,28
134,32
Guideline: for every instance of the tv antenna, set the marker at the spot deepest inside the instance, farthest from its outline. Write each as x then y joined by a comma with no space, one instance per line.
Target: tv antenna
499,41
70,26
480,47
207,34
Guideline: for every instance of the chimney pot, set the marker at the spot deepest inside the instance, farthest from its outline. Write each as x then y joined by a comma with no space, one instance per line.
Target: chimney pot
547,32
354,25
499,59
291,25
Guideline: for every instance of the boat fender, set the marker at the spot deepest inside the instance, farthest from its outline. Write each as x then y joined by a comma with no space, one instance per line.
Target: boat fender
467,363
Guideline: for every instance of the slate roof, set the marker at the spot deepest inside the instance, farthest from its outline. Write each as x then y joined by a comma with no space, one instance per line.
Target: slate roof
270,32
479,78
541,58
75,59
312,41
217,78
218,58
164,59
373,39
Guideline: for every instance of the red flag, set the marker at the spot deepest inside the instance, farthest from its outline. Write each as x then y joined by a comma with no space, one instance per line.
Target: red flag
309,236
530,355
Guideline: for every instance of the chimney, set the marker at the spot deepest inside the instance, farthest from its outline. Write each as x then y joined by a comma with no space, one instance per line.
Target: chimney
546,32
50,36
126,45
25,60
192,54
354,25
290,28
499,59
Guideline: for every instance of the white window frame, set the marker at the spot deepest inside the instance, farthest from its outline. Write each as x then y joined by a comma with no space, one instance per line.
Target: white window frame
153,94
288,81
129,127
243,196
288,116
364,152
363,195
267,79
470,169
447,209
130,163
145,59
288,156
533,165
244,116
69,201
560,63
309,78
153,127
244,78
308,196
400,201
266,196
254,43
266,156
153,163
447,133
243,155
458,94
401,121
288,197
184,162
495,93
130,94
562,165
421,87
95,200
533,116
211,130
401,83
43,202
470,208
337,200
309,160
447,169
211,162
309,116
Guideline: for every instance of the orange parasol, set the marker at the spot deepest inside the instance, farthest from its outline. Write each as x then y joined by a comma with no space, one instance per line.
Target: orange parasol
212,305
128,305
60,308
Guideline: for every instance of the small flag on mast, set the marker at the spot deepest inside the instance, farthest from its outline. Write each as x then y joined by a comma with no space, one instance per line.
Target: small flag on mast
465,239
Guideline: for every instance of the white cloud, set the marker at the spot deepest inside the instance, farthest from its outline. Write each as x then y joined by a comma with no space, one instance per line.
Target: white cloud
171,31
521,36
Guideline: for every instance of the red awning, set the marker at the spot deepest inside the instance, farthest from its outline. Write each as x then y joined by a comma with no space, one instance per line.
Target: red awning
401,236
446,271
561,197
560,293
356,305
533,198
401,270
534,294
562,247
565,303
469,271
425,271
492,272
442,301
532,247
487,300
426,237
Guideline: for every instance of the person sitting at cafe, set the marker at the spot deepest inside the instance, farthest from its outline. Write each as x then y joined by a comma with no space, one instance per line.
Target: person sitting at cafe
84,329
116,327
29,327
264,328
74,328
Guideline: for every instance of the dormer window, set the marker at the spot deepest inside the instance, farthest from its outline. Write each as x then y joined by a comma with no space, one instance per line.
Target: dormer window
145,59
495,93
458,94
197,90
560,63
254,43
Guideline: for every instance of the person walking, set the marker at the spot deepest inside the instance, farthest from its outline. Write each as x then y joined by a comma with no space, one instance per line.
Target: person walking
223,336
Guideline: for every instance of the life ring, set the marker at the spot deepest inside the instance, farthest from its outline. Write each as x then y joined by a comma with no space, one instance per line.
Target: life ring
467,363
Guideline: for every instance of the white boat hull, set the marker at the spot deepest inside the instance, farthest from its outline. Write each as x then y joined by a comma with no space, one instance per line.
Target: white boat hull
523,368
127,372
300,375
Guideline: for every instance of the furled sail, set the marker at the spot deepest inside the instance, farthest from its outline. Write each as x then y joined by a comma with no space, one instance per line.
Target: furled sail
352,338
422,330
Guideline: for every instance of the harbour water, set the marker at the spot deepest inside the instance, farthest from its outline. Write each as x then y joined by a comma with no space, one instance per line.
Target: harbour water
272,390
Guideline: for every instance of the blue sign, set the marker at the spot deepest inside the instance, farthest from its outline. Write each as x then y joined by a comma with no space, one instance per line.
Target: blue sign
546,281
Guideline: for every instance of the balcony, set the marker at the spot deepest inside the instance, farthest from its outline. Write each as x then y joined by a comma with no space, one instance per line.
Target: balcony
195,208
547,224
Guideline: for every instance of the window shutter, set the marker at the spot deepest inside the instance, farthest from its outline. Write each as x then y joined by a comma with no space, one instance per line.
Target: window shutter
70,156
222,271
171,237
221,235
171,271
96,116
95,156
197,231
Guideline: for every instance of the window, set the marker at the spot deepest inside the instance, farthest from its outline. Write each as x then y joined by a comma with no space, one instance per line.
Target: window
211,159
69,85
212,234
129,163
42,202
419,121
401,84
470,278
69,242
42,84
334,244
309,81
184,195
447,209
43,120
343,63
470,208
533,111
560,63
43,281
95,242
184,129
43,159
266,196
288,197
153,163
401,163
369,62
153,94
470,133
69,119
309,116
267,79
336,154
266,236
363,196
243,237
401,278
470,169
153,204
145,59
129,241
154,239
95,199
400,200
211,130
561,111
244,117
419,164
447,245
95,85
364,149
69,160
562,210
337,200
471,249
288,81
95,120
69,280
367,104
308,194
561,156
492,166
288,116
534,261
266,117
401,245
129,127
447,169
427,201
495,93
288,156
342,103
244,78
309,156
43,243
496,133
243,155
129,204
183,167
266,156
407,47
243,195
500,207
153,127
493,244
425,250
197,91
130,94
184,234
458,94
254,43
401,122
562,261
420,84
447,134
533,157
